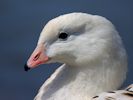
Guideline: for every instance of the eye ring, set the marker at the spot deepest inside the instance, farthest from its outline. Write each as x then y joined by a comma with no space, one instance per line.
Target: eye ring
63,35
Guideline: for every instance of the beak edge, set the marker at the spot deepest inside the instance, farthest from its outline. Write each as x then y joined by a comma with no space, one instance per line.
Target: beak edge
26,68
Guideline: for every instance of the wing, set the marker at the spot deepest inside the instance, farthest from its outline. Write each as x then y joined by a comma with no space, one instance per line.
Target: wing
126,94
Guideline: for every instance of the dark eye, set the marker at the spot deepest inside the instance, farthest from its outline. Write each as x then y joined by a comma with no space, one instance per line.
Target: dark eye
63,35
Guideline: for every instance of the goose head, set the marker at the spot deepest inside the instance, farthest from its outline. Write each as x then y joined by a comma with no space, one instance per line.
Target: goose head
77,39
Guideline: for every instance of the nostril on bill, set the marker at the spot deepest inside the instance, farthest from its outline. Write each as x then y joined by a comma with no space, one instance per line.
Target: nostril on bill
36,57
26,68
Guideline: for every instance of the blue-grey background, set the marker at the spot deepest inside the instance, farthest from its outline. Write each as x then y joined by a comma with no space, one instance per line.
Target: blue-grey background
21,22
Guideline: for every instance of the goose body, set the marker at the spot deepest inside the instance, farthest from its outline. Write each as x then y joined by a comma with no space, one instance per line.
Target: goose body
91,50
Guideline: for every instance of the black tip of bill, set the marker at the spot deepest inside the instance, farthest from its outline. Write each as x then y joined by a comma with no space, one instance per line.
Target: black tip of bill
26,68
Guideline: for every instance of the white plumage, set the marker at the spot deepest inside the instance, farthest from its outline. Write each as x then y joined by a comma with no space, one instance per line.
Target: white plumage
92,52
126,94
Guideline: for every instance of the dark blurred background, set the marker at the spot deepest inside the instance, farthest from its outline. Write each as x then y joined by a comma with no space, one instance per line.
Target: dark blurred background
21,22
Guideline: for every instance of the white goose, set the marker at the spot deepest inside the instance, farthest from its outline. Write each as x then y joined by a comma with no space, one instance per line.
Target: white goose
92,52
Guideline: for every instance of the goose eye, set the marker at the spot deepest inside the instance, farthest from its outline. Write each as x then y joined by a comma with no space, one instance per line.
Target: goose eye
63,35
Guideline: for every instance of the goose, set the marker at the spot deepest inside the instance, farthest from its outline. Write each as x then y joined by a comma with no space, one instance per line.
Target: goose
92,54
